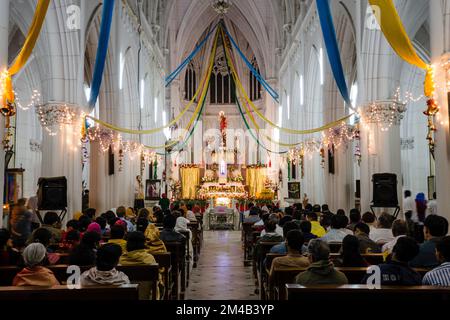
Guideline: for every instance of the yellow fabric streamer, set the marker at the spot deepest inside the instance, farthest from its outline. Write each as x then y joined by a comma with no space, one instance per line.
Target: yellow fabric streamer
395,33
25,52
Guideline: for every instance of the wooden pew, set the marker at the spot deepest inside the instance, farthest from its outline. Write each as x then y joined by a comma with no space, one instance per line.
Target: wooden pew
164,261
177,252
124,292
282,277
335,247
194,227
247,238
263,248
371,258
146,273
185,284
386,295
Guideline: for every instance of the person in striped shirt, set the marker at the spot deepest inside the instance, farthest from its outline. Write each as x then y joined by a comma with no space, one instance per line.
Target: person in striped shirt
440,276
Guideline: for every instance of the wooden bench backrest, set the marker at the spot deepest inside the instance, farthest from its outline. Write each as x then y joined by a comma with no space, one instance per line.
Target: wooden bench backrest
335,247
372,258
361,293
177,251
124,292
354,276
163,259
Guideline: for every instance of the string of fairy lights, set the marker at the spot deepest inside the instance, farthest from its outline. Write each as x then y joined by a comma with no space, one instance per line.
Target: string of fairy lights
54,117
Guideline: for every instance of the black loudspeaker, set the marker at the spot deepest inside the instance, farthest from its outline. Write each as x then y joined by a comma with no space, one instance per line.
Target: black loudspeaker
52,193
385,190
358,189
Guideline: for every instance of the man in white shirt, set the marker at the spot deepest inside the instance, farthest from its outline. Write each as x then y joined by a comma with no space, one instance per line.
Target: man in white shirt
278,230
432,205
337,232
409,205
383,233
399,229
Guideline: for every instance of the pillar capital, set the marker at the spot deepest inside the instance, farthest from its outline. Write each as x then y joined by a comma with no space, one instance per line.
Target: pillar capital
59,113
386,112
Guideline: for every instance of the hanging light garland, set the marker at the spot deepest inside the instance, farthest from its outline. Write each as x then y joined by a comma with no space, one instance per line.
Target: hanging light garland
110,139
338,136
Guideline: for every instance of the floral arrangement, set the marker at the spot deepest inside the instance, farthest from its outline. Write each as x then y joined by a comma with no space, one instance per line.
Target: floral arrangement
210,176
236,176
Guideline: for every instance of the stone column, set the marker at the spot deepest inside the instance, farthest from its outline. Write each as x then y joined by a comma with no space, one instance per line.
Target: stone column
4,36
61,148
440,52
380,145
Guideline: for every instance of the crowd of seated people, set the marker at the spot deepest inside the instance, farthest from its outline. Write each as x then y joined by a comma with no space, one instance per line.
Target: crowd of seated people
100,242
309,232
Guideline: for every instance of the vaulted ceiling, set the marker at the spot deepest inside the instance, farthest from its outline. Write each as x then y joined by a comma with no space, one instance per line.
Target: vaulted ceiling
259,21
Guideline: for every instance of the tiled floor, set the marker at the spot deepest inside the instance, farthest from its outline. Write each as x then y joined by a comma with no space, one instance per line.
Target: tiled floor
220,272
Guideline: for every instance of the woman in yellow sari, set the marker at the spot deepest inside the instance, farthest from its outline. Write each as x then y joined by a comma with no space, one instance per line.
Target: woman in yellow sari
152,241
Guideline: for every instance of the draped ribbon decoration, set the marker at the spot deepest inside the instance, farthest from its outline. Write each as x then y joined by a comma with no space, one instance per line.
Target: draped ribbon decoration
183,65
249,107
8,96
232,71
203,88
330,39
394,32
258,77
205,82
102,50
244,94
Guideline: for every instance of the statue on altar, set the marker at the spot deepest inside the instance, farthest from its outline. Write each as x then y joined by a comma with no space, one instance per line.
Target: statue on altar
222,184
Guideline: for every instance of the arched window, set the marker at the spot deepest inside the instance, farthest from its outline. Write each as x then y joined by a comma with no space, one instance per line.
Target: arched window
255,86
222,88
190,82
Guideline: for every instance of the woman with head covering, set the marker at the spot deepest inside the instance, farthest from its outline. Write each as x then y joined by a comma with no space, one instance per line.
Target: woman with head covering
182,227
94,227
34,274
153,242
77,215
421,207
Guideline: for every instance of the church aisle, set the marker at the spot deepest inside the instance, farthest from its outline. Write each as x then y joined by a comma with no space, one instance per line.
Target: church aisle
220,272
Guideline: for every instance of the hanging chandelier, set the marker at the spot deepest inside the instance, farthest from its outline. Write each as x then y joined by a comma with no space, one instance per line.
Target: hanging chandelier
221,6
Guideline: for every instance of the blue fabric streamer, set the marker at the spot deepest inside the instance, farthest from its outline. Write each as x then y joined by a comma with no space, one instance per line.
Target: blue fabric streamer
102,50
329,36
180,68
260,79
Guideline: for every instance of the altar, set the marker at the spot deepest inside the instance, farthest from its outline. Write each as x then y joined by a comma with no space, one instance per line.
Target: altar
222,198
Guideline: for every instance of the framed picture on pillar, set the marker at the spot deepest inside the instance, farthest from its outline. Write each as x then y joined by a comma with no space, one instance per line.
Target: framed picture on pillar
152,189
294,190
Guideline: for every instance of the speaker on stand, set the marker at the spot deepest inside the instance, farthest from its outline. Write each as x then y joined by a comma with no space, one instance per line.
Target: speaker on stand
385,192
52,195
